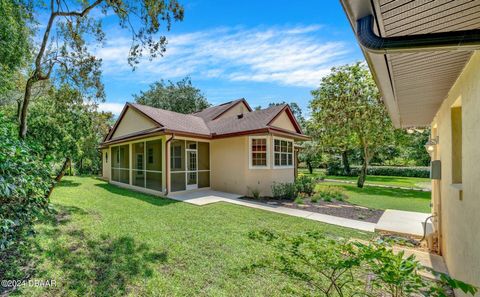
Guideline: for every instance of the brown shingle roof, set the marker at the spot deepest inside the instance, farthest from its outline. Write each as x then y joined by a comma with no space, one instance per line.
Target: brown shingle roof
210,113
173,120
254,120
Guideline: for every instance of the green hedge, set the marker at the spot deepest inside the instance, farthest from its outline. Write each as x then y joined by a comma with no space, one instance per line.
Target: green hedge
383,170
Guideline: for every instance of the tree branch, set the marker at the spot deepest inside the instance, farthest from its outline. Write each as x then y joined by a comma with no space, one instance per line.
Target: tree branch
79,13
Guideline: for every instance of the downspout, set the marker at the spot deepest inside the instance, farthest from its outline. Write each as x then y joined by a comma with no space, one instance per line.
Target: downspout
454,40
167,169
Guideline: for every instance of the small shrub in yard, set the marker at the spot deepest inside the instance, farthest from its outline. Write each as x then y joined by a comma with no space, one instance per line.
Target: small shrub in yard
300,198
327,266
255,193
305,184
329,193
284,191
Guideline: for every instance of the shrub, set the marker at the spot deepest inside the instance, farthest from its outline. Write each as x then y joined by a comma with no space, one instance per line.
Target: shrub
255,193
315,198
329,193
305,184
298,199
329,266
383,170
24,183
284,191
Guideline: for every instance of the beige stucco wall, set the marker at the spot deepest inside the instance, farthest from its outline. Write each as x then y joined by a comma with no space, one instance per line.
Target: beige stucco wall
283,121
230,170
236,110
131,122
106,164
460,212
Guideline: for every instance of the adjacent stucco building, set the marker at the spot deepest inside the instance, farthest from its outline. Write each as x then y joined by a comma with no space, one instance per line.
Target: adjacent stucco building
425,58
228,147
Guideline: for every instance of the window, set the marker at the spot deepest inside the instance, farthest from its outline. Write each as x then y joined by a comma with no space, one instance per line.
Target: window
258,152
120,164
139,161
106,157
283,150
177,157
150,156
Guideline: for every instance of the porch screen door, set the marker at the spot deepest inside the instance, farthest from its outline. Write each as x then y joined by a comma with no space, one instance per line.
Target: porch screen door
191,169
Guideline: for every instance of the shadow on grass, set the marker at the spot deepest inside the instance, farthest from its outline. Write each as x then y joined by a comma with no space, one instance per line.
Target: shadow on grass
65,183
96,266
379,191
155,200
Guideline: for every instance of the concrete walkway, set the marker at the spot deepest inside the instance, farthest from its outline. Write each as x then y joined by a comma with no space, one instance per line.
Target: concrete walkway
403,223
203,197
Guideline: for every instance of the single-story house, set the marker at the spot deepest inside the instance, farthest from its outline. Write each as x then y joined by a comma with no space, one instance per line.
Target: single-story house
228,147
425,58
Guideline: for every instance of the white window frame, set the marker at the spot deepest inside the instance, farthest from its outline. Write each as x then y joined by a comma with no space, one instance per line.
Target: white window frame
293,153
267,142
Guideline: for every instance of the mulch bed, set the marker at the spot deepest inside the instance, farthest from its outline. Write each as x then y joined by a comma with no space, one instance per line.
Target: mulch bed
335,208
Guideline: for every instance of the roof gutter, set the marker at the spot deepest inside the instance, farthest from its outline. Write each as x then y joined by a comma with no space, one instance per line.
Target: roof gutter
454,40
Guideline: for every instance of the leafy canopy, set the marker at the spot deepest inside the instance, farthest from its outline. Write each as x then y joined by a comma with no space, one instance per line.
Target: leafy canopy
347,112
15,36
71,31
180,96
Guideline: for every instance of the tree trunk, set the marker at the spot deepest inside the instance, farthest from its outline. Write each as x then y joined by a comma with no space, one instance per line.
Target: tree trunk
363,175
59,176
23,114
19,109
346,164
363,171
70,168
310,168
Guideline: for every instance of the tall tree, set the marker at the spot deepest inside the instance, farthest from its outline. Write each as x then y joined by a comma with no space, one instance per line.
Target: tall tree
64,53
15,39
311,154
347,109
179,96
68,128
296,110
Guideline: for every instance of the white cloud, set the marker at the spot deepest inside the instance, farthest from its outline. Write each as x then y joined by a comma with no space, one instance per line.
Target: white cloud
286,55
115,108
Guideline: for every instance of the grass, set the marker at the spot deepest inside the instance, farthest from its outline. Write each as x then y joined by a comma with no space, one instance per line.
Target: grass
385,198
109,241
399,181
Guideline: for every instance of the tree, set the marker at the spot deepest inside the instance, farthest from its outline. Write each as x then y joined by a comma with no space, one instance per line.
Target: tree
180,96
311,154
63,52
14,35
67,128
347,110
296,110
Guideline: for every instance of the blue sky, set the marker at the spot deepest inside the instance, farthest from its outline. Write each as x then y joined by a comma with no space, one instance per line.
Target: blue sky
264,51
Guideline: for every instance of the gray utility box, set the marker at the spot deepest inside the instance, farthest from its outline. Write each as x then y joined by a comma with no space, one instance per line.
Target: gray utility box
436,169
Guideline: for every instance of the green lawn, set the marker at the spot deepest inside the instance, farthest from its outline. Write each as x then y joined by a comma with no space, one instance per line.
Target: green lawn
385,198
400,181
110,241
